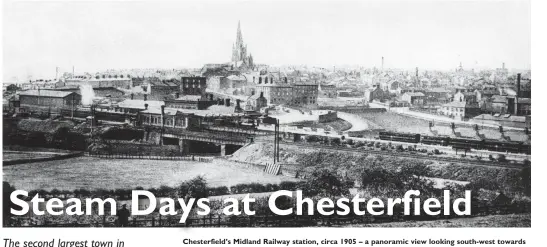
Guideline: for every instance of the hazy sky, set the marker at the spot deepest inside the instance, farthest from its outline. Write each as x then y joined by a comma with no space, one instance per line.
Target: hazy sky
97,35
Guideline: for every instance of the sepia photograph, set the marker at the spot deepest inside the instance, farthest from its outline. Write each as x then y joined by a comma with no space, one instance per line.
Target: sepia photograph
413,114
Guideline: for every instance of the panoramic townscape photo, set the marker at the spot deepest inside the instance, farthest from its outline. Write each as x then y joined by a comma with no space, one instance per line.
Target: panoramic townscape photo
224,99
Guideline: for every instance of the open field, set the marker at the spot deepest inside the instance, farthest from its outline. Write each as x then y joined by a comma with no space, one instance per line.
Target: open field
396,122
96,173
16,155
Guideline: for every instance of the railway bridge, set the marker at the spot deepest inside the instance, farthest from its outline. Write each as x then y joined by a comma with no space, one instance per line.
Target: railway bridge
223,141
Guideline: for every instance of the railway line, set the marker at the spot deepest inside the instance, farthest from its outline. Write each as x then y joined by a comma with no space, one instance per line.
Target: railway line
405,155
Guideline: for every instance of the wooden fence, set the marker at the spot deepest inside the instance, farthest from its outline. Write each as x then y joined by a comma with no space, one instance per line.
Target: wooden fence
284,221
150,157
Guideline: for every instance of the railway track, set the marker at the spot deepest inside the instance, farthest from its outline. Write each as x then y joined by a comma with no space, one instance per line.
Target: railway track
406,155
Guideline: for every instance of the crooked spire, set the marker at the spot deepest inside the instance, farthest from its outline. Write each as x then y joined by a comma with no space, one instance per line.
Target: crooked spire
239,39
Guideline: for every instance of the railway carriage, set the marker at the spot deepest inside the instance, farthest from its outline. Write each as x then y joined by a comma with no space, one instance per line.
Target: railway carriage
399,137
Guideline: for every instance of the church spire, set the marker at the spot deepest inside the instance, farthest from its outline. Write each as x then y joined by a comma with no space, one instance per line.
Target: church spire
239,39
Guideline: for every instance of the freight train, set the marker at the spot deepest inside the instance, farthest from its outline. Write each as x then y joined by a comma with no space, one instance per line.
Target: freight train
491,145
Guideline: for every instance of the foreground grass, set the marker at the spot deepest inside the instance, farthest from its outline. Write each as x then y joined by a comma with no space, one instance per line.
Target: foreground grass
511,220
96,173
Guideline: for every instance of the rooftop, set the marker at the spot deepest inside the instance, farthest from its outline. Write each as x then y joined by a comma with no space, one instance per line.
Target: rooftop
214,110
461,104
139,104
505,117
46,93
417,94
189,97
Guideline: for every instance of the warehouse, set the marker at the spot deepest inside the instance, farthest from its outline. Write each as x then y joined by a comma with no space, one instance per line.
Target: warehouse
49,98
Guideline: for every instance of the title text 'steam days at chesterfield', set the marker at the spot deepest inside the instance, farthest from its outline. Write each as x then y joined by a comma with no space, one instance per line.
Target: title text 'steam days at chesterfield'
325,206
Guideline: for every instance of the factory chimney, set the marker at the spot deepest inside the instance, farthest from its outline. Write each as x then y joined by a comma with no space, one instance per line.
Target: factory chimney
518,94
382,63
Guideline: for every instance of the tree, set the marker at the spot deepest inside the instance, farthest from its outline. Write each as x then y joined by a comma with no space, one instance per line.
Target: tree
328,184
525,180
194,188
165,191
502,158
12,88
335,141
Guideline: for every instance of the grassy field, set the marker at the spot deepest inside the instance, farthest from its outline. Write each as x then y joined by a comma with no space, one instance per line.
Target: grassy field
395,122
16,155
95,173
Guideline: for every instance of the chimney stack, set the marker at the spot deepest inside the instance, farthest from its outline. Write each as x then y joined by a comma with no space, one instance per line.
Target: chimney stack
518,94
145,97
132,95
238,107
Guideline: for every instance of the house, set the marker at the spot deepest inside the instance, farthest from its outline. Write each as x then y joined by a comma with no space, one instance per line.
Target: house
413,98
524,106
277,94
305,93
327,90
499,104
193,85
465,96
488,91
232,81
378,94
460,109
437,96
256,102
283,92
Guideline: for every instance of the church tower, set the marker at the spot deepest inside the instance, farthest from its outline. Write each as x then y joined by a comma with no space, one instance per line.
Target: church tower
239,51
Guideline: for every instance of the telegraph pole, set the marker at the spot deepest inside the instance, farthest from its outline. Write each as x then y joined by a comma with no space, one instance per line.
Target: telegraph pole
72,110
277,138
276,141
162,123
